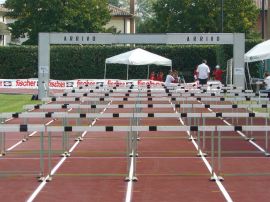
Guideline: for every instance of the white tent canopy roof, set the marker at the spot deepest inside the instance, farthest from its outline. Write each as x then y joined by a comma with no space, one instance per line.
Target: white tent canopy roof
139,57
258,52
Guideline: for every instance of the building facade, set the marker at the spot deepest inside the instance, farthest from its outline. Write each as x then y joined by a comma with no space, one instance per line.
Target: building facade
4,32
120,23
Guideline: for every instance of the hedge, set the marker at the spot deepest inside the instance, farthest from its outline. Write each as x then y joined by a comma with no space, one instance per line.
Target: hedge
72,61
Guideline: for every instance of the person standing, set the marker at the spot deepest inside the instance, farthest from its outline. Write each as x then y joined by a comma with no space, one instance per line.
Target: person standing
217,73
175,76
160,76
266,83
169,79
203,72
152,76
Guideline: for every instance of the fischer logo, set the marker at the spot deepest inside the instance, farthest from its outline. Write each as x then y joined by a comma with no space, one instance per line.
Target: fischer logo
84,83
141,83
1,83
120,83
26,83
57,84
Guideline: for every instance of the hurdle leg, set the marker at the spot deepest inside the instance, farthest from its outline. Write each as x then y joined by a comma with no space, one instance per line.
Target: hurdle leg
65,140
203,141
266,139
41,177
63,144
219,158
2,144
251,133
128,155
49,157
137,135
135,149
199,144
247,132
212,178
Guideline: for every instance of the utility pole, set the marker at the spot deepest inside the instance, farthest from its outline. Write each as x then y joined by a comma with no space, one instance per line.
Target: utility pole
222,16
263,17
268,21
132,20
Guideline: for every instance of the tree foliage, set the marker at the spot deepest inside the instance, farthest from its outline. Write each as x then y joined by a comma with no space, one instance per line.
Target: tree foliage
201,16
34,16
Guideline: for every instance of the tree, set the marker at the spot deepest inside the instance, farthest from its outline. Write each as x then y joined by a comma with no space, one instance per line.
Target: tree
202,16
144,11
240,16
144,8
56,16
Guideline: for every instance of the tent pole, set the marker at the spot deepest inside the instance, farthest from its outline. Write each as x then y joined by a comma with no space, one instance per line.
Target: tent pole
171,67
105,71
249,76
147,72
127,71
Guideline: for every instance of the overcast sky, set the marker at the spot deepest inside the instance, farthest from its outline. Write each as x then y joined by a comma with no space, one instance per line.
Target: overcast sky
2,1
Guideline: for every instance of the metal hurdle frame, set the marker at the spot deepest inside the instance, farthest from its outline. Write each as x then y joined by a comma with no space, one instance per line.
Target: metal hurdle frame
212,129
84,106
11,128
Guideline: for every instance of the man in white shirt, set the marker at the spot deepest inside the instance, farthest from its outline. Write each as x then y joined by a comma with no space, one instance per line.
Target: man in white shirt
169,79
266,83
203,71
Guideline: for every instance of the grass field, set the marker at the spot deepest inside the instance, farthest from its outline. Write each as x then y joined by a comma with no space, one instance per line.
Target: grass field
15,102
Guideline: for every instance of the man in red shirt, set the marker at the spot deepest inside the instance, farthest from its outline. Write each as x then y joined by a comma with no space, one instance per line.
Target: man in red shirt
217,73
152,76
160,76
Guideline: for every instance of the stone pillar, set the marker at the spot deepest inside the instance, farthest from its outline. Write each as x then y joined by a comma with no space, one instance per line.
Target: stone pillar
43,65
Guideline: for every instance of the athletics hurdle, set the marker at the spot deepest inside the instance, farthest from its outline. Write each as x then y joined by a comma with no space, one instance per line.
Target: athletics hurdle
10,129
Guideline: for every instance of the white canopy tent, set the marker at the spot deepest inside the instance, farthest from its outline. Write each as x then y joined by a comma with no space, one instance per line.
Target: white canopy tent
259,52
137,57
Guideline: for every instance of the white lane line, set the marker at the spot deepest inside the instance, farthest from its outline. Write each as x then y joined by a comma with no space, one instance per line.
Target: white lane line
128,197
42,185
8,120
33,133
15,145
130,182
257,146
219,184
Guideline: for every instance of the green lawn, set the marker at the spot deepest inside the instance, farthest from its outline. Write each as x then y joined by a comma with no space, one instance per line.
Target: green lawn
15,102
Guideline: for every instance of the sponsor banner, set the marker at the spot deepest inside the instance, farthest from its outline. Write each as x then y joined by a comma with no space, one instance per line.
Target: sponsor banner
60,84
